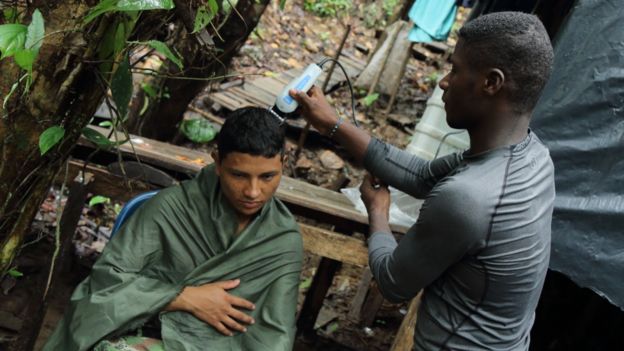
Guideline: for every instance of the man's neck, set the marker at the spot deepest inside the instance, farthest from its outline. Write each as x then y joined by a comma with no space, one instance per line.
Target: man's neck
505,130
243,222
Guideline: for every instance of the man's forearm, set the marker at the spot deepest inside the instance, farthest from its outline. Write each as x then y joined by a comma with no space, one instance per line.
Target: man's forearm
378,222
381,245
354,139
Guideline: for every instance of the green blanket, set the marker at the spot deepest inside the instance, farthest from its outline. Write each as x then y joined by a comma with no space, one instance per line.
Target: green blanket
185,235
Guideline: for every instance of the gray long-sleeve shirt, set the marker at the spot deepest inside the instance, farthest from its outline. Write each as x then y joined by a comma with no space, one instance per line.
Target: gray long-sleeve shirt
480,247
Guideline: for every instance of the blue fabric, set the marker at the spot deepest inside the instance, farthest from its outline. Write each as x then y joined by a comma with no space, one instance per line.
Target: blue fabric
433,20
129,209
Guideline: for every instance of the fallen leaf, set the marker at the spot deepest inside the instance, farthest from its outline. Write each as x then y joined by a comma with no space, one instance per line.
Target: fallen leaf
303,163
292,62
330,160
310,46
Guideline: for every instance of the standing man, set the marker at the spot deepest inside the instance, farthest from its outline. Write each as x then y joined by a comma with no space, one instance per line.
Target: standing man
481,245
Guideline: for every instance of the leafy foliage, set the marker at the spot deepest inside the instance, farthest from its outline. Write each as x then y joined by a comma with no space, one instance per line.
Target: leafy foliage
10,15
198,130
97,138
13,272
377,14
23,44
164,49
98,199
105,6
12,39
327,8
121,87
205,15
50,137
368,100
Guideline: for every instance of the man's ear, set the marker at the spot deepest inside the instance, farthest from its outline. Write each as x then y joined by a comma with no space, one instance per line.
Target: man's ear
284,159
494,81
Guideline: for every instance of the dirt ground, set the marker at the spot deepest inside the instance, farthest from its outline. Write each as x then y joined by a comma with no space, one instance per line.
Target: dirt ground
284,40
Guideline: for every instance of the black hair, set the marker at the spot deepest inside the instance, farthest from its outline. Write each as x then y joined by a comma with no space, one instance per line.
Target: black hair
251,130
516,43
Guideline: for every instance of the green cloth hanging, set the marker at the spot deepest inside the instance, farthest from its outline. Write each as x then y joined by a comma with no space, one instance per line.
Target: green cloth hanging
183,236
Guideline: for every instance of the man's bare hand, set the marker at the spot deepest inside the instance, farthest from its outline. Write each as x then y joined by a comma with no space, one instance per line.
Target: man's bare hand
212,304
375,196
315,109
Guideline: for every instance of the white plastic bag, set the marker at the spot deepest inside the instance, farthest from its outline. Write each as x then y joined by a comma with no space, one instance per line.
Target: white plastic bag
404,209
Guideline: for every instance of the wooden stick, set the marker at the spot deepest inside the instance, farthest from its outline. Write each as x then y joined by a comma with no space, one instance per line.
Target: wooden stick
392,39
397,84
207,115
404,339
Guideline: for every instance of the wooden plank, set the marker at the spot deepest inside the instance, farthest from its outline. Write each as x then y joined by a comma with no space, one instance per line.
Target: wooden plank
263,91
270,85
358,300
404,339
372,304
105,183
291,190
314,298
253,95
261,94
332,245
318,241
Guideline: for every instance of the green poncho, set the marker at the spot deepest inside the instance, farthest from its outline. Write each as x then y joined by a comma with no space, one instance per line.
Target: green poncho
185,236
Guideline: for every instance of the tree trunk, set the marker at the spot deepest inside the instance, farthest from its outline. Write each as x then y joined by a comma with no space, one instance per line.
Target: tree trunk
161,119
63,93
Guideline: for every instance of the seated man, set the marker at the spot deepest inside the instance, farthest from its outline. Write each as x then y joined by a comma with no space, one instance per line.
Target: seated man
198,253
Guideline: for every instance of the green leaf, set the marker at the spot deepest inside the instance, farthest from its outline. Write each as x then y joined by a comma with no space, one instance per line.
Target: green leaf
121,87
105,124
35,32
97,138
332,327
213,6
127,6
25,59
50,137
10,14
203,17
164,49
102,7
370,99
149,90
119,41
282,4
12,39
15,273
198,130
139,5
305,284
98,199
227,5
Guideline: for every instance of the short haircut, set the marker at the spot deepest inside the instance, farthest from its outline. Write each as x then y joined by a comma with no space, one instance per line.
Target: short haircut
516,43
251,130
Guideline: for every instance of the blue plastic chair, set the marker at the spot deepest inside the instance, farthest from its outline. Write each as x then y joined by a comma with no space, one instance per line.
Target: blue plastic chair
129,209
